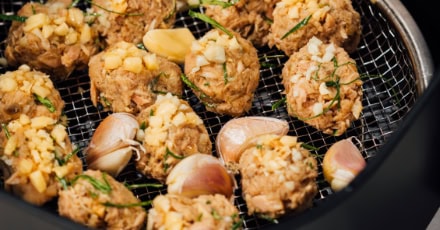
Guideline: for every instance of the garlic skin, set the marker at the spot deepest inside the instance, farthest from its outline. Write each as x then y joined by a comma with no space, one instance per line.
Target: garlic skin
112,143
200,174
237,133
342,163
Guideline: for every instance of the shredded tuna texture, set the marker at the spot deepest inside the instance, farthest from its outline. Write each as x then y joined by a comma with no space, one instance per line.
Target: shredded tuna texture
203,212
97,208
333,21
124,78
278,176
223,72
323,87
173,131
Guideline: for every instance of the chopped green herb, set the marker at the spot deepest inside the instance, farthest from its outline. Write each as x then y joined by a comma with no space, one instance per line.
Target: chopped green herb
147,185
267,65
209,20
154,82
109,204
268,218
199,217
223,4
101,186
278,103
106,102
73,4
309,147
334,82
141,46
225,73
5,129
267,20
236,224
46,102
62,181
63,161
203,96
259,146
151,112
215,214
169,153
12,18
297,26
143,126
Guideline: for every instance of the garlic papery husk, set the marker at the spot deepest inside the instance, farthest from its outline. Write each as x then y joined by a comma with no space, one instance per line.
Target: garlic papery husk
113,162
112,143
200,174
342,163
237,133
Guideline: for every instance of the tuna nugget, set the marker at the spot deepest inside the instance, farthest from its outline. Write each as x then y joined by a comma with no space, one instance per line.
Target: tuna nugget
323,87
296,21
223,71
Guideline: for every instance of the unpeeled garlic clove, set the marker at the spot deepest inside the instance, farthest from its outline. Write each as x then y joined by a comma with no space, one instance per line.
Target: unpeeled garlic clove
113,162
112,143
237,133
173,44
200,174
342,163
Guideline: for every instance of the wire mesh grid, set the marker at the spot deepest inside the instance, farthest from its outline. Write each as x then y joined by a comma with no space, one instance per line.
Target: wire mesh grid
389,89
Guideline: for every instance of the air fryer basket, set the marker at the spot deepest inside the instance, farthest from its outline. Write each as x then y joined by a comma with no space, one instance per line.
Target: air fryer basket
386,54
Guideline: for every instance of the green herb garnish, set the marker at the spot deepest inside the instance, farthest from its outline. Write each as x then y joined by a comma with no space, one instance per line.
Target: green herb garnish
236,224
106,102
223,4
109,204
141,46
209,20
309,147
215,214
67,158
154,82
297,26
46,102
333,81
147,185
5,129
62,181
278,103
203,96
169,153
225,73
13,18
143,125
268,218
99,185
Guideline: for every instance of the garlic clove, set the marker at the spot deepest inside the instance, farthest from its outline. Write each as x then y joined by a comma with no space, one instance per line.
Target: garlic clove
113,142
173,44
113,163
237,133
200,174
342,163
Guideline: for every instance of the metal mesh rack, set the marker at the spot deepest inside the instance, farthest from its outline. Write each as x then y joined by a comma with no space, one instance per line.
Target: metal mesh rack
390,91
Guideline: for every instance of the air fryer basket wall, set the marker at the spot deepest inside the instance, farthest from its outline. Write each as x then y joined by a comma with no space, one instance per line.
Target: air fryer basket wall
397,69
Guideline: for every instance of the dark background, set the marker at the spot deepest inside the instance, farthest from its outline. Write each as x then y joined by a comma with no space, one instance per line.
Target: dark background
401,192
427,18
